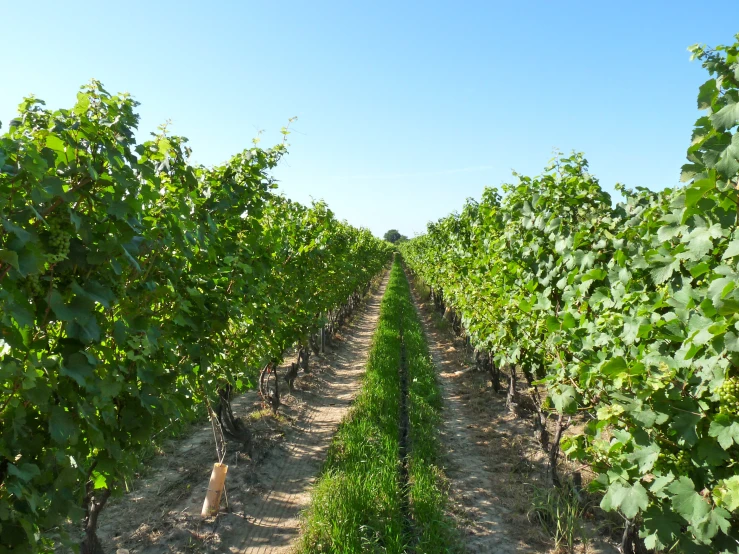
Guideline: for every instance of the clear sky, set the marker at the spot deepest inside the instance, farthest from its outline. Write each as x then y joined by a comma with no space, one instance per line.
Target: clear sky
404,108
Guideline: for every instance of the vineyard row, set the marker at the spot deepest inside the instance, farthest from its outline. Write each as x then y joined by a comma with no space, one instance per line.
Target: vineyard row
134,288
621,319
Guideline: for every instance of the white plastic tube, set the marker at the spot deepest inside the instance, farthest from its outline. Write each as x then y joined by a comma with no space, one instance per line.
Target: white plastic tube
215,490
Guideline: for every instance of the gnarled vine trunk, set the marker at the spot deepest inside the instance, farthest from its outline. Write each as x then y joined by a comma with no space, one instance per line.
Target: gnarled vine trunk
95,501
231,427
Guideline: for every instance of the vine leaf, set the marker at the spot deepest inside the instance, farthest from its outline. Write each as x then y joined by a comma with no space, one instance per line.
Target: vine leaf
630,499
726,493
731,250
24,472
727,117
645,457
686,501
61,426
78,368
665,528
725,431
10,257
728,160
565,399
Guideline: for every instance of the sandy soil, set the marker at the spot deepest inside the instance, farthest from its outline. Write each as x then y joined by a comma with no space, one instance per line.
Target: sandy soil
268,487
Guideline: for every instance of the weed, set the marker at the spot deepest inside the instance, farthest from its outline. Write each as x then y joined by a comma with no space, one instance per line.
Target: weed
560,514
441,324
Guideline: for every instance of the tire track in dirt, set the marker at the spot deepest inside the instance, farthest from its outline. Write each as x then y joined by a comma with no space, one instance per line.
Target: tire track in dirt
485,520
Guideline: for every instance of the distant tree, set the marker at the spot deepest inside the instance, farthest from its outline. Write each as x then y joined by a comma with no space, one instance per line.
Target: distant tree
394,236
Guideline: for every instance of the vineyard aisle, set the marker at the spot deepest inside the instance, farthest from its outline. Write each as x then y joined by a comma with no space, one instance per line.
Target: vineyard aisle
474,471
267,495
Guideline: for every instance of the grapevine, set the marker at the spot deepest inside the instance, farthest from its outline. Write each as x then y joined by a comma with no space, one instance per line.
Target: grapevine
627,314
134,286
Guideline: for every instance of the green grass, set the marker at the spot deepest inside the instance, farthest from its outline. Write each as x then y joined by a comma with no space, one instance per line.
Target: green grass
360,503
560,514
433,529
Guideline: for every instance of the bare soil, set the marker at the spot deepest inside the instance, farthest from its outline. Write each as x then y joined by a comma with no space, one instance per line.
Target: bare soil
267,488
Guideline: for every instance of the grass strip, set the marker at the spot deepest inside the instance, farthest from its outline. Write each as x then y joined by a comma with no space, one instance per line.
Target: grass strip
434,532
361,502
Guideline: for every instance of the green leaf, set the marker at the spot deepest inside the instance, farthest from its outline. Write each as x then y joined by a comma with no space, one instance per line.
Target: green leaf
708,527
659,484
686,501
726,118
699,269
731,250
663,273
79,308
564,399
728,162
697,190
699,240
644,417
29,262
661,528
719,288
78,368
587,260
60,308
629,499
731,341
61,427
10,257
21,313
569,321
23,235
24,472
96,292
685,424
728,307
727,493
99,481
725,431
631,329
645,457
707,94
615,366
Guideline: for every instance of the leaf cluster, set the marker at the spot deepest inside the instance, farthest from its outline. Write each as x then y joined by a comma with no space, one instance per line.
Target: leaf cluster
629,315
133,285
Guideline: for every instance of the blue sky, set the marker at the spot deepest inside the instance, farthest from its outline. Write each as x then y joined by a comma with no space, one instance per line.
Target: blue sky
404,108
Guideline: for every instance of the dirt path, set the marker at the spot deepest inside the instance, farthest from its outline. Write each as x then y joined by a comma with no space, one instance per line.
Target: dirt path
274,526
480,500
267,490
